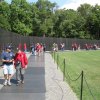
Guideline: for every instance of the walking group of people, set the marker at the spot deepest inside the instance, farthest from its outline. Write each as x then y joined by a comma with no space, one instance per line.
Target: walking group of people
61,46
37,48
11,60
86,46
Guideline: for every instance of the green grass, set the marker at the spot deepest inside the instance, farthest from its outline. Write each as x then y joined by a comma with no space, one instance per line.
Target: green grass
89,63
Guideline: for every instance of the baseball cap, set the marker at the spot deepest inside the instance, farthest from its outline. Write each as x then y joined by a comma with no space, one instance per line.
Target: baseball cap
8,47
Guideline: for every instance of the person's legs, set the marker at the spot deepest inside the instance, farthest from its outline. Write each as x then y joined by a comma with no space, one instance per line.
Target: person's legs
18,74
9,78
22,74
39,52
33,51
5,71
10,73
5,82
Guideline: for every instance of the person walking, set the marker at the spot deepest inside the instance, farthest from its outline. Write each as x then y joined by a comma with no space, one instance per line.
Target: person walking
33,49
7,58
21,62
38,49
25,47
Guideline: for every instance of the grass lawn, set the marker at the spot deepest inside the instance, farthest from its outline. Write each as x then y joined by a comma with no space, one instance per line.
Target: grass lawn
89,62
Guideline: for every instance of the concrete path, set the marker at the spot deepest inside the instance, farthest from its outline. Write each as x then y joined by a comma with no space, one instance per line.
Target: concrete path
56,88
43,82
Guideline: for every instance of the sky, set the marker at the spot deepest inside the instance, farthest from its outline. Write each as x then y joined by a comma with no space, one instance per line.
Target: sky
69,4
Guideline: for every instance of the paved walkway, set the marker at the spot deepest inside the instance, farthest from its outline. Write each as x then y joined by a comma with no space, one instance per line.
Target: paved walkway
43,82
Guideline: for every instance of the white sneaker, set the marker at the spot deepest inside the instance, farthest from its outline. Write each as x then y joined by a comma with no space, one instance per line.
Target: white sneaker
9,83
18,82
5,83
22,82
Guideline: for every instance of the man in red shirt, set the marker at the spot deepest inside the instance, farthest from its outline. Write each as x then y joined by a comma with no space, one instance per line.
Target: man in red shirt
21,62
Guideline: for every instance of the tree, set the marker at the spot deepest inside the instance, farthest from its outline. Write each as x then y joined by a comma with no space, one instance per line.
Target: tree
93,22
85,11
43,16
21,16
4,15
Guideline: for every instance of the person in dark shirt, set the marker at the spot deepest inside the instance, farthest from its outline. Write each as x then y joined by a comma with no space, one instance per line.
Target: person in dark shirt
7,58
32,48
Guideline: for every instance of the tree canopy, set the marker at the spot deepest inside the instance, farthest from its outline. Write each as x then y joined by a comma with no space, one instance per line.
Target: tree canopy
44,18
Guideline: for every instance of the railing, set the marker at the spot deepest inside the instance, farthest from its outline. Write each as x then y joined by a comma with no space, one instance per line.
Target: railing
66,75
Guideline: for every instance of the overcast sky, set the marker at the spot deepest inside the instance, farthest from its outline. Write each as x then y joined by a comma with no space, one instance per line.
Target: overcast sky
69,4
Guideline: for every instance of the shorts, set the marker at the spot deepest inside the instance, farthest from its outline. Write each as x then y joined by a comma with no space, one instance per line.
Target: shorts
8,69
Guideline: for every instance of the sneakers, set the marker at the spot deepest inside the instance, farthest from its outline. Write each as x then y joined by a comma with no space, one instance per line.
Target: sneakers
5,83
9,83
22,82
18,82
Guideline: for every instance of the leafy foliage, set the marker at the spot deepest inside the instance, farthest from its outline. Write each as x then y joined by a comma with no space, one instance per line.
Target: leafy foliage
44,17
